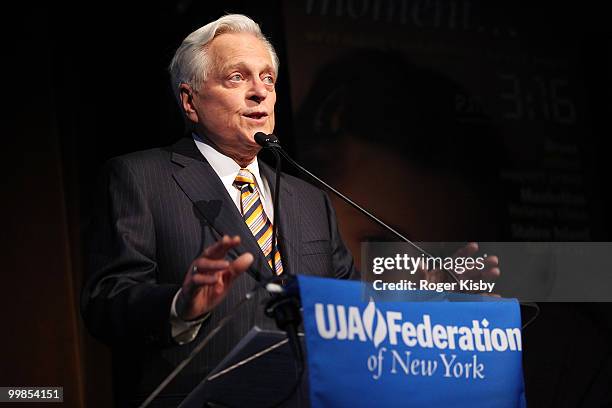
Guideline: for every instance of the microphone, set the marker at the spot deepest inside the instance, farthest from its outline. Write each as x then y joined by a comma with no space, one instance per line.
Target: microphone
267,141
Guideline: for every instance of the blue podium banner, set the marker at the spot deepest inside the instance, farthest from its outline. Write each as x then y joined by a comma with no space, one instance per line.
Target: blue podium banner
409,354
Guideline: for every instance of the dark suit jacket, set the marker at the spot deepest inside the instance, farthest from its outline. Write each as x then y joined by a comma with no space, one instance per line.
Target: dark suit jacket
157,210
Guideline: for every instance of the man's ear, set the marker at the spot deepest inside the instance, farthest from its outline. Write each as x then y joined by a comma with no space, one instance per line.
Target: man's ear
187,103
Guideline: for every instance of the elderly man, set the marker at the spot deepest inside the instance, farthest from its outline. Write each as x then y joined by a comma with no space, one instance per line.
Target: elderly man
182,233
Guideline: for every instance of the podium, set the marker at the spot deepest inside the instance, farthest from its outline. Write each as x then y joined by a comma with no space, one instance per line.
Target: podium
258,372
361,353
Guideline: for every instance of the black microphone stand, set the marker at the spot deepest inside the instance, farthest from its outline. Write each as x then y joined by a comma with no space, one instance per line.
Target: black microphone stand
284,307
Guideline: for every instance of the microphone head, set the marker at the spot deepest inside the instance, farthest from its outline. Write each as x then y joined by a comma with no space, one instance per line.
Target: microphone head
266,140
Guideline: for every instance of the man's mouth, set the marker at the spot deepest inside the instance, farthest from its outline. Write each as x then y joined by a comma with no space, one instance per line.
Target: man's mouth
255,115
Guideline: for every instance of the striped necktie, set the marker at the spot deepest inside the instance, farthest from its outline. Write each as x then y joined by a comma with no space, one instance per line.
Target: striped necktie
255,217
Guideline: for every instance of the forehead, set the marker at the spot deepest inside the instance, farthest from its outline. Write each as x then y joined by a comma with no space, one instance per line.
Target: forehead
239,49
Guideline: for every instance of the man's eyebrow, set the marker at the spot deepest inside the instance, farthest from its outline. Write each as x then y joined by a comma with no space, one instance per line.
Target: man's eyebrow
241,65
233,66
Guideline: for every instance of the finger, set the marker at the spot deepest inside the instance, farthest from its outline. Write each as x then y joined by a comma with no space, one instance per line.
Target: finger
491,261
194,283
205,279
485,273
227,277
492,273
219,249
470,249
215,248
206,265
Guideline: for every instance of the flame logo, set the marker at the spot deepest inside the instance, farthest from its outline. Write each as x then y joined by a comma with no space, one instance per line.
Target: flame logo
376,333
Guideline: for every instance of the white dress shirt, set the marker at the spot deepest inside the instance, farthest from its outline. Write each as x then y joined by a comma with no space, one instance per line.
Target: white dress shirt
227,169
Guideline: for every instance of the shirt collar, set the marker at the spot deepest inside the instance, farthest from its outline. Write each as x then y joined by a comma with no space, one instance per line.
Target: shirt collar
225,167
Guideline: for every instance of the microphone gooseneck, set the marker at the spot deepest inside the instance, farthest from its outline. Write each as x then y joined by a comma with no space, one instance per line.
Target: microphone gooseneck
271,142
284,306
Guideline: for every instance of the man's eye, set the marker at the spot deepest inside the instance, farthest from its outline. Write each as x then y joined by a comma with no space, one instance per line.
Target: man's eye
268,79
236,77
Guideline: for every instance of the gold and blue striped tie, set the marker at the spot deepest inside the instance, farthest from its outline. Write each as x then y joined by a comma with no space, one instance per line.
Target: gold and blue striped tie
255,217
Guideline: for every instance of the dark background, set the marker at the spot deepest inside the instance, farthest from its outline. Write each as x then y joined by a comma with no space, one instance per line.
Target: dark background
88,81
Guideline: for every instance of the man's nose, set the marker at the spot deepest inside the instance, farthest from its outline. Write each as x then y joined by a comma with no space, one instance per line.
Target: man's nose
258,91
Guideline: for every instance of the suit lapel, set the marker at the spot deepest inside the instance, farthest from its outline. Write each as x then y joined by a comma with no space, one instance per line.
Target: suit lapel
204,188
289,208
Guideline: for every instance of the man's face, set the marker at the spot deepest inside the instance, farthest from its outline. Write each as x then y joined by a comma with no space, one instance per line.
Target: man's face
237,99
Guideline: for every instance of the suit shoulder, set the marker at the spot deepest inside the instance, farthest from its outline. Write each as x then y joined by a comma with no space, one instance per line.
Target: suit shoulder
140,161
303,186
142,157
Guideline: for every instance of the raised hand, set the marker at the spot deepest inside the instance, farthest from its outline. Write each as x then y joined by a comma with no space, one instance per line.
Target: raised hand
209,278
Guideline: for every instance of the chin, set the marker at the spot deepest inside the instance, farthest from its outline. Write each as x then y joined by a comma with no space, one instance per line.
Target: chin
249,138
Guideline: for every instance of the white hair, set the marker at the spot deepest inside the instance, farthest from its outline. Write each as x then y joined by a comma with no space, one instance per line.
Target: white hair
191,63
